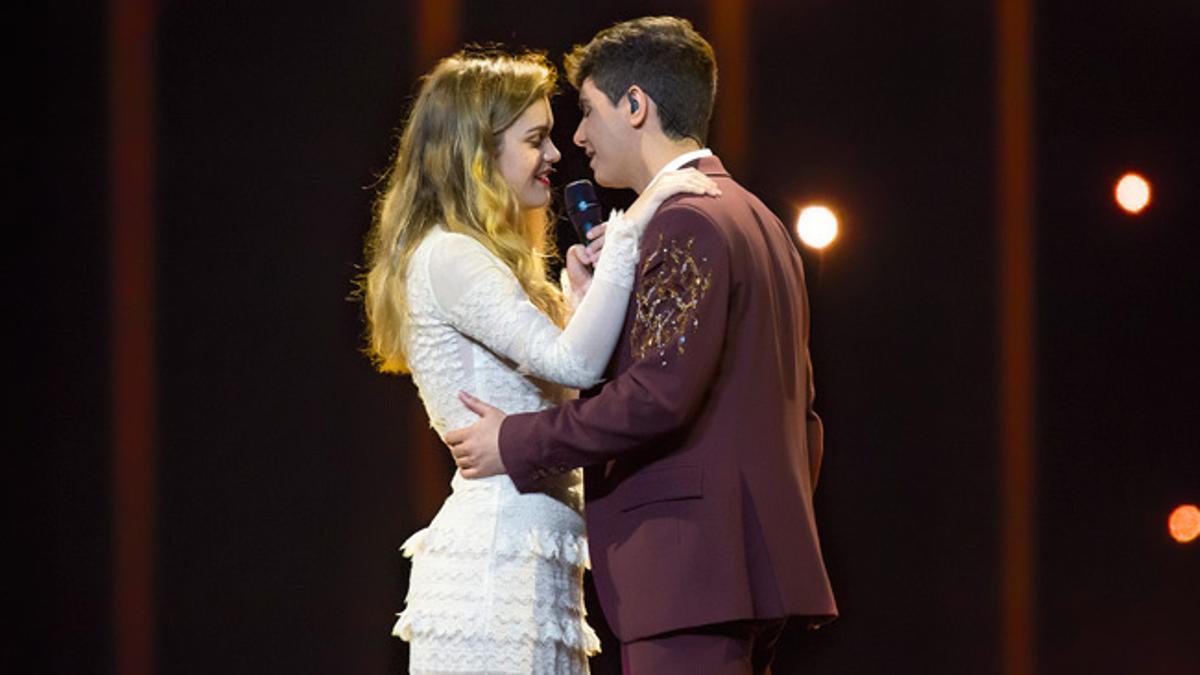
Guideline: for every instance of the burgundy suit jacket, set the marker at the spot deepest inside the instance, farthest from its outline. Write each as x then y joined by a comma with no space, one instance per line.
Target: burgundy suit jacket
701,450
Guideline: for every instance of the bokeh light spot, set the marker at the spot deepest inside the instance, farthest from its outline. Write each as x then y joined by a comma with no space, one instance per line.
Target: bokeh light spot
817,226
1132,193
1184,523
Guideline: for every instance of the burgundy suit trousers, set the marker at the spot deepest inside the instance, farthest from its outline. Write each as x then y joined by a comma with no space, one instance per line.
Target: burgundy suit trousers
732,648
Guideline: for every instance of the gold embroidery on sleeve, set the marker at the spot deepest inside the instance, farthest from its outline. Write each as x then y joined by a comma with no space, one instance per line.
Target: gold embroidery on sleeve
668,301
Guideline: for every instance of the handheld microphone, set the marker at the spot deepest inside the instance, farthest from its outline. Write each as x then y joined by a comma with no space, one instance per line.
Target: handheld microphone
582,207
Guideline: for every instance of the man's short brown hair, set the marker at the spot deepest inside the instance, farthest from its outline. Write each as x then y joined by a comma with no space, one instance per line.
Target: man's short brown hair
664,56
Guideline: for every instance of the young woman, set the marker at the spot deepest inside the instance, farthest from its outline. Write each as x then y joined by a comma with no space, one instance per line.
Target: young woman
457,294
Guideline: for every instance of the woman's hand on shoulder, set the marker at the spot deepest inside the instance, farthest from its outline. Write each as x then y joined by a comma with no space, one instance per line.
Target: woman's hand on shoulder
667,185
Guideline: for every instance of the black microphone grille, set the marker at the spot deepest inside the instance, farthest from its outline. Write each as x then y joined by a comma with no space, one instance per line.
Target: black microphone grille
579,195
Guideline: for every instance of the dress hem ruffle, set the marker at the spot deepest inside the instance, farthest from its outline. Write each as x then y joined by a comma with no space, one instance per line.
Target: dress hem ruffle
571,630
563,546
573,633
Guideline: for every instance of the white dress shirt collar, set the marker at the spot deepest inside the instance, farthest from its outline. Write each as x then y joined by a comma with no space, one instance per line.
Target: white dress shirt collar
680,161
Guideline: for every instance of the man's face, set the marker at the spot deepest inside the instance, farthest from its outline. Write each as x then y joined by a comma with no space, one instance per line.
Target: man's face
605,136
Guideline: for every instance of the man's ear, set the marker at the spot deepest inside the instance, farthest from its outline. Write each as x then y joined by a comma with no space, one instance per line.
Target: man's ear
638,106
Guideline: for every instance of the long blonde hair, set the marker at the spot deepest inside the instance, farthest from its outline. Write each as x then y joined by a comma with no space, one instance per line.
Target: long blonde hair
445,173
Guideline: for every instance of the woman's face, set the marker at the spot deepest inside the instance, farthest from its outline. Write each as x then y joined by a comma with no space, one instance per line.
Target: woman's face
527,155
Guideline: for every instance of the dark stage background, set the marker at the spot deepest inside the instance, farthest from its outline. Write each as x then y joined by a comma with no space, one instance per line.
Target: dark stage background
284,464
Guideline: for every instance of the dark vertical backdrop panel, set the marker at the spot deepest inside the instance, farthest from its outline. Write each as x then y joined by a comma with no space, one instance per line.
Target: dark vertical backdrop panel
1118,325
883,112
284,470
60,292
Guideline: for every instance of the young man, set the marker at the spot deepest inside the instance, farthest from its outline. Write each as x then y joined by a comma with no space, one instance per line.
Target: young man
701,452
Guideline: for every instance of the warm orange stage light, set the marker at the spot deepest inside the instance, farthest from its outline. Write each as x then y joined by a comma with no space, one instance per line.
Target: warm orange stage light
1184,523
817,226
1132,193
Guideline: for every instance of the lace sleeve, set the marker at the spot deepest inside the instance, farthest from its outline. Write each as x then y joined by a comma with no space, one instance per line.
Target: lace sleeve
483,300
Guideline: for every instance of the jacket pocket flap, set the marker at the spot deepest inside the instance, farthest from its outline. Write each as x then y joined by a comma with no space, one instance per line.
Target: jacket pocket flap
662,485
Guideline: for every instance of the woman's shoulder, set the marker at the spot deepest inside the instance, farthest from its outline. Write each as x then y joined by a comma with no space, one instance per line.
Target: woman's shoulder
452,249
438,238
452,259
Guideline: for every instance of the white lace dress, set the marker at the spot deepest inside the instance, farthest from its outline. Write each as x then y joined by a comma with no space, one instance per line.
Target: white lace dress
496,577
